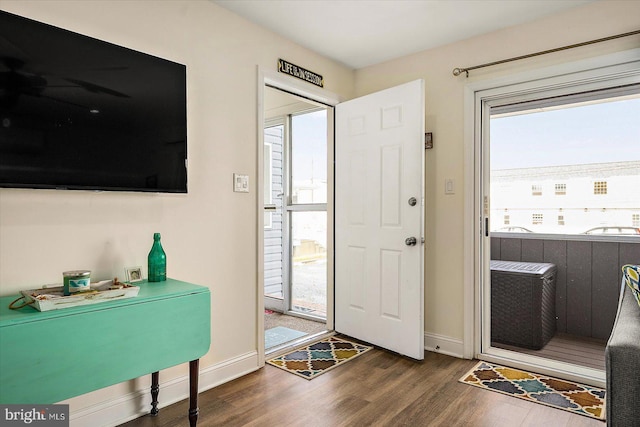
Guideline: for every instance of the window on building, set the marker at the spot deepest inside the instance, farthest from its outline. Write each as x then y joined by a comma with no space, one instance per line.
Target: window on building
600,187
536,190
507,220
536,219
561,189
560,219
635,220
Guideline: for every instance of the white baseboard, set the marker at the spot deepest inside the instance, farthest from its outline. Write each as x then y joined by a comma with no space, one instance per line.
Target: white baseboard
138,403
443,344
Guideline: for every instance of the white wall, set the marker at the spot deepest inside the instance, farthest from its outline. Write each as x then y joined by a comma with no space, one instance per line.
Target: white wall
209,234
445,118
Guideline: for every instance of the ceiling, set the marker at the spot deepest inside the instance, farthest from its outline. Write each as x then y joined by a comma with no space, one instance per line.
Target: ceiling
359,33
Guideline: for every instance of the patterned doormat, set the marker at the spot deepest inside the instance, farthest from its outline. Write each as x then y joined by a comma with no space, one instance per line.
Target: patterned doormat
573,397
317,358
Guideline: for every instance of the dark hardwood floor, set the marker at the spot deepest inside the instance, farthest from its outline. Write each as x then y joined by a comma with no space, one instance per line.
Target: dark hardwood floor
378,388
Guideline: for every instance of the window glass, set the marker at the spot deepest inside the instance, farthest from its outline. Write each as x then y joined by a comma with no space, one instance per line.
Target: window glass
536,219
309,262
587,152
600,187
309,158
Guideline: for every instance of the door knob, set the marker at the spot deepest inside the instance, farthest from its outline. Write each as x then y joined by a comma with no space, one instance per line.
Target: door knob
410,241
412,201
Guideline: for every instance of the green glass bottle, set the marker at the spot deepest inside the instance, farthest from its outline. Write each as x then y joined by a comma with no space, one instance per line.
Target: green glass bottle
157,261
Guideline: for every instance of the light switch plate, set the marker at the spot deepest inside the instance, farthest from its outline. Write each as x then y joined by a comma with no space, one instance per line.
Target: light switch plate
449,187
240,183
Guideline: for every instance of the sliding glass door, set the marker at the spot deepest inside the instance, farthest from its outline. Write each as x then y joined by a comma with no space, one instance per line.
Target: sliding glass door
560,219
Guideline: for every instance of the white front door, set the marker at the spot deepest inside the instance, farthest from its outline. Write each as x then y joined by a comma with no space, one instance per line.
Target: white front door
379,286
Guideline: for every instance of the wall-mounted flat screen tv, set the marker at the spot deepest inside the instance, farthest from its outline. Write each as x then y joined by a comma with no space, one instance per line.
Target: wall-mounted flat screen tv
80,113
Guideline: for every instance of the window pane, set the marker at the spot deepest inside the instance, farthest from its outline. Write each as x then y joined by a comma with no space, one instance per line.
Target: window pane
309,262
600,187
580,159
309,158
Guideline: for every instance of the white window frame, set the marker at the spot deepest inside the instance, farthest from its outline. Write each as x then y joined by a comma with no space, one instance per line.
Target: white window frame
618,69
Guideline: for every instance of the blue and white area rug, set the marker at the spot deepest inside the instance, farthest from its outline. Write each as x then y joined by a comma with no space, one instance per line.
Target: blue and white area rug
569,396
279,335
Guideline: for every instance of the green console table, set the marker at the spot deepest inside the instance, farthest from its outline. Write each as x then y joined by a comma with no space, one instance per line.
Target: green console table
46,357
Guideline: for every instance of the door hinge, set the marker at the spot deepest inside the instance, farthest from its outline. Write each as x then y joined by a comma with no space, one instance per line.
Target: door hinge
428,140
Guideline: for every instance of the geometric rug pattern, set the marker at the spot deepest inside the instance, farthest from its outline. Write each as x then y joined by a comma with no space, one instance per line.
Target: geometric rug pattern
317,358
569,396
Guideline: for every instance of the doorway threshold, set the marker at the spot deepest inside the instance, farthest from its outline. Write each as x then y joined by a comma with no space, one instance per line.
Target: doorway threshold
558,369
292,345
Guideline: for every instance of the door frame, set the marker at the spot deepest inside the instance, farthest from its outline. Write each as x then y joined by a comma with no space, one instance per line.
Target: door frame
268,77
592,73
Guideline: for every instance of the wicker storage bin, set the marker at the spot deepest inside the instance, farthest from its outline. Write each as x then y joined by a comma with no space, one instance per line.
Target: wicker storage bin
523,303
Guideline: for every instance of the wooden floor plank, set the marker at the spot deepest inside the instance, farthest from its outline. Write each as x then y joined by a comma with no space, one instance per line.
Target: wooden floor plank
562,347
379,388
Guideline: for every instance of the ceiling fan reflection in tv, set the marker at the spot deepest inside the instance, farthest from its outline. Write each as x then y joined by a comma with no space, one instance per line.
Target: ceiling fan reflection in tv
18,83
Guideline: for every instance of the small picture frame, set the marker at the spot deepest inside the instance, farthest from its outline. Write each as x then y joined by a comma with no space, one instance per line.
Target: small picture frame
134,274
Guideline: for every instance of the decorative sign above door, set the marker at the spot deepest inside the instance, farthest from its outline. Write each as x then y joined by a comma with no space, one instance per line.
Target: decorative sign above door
299,72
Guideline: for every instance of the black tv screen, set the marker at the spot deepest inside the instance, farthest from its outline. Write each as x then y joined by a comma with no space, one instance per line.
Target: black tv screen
81,113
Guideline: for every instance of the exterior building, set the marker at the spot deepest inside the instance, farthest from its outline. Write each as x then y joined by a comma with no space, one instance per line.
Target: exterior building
567,199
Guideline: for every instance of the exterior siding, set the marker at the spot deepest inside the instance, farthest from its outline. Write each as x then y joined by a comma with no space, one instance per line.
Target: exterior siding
273,254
